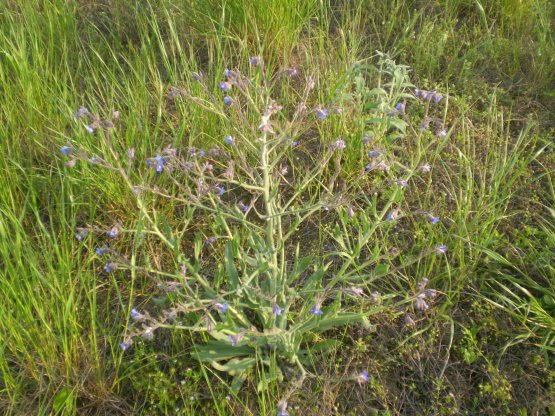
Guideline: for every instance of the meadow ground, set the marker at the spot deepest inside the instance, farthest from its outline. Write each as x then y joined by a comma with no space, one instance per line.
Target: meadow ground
380,239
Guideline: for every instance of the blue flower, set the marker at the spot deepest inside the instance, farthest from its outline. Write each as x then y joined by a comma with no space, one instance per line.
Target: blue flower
66,150
110,267
321,113
392,216
81,234
81,112
222,307
113,232
441,249
276,310
374,153
221,190
134,314
228,100
432,219
316,310
227,72
124,345
362,377
243,207
400,107
436,96
90,129
224,86
229,140
254,60
339,144
100,251
294,144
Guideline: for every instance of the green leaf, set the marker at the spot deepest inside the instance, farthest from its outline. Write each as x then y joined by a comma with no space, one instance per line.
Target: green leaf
219,351
235,366
230,268
325,346
62,400
381,269
274,375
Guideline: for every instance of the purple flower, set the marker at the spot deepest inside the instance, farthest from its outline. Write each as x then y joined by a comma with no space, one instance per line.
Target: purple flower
126,344
229,140
424,126
436,96
420,304
351,212
100,251
110,266
136,315
221,190
66,150
196,76
282,408
228,100
400,107
441,249
81,234
321,113
316,310
442,133
81,112
294,144
222,307
417,93
392,216
89,128
362,377
254,60
425,95
243,207
432,219
276,310
227,72
291,72
113,232
210,240
374,153
425,168
224,86
402,183
236,339
339,144
365,140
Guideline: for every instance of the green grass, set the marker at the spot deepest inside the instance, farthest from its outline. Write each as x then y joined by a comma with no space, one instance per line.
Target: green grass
488,345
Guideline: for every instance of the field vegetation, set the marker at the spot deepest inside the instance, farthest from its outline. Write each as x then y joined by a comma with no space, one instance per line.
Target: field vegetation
277,207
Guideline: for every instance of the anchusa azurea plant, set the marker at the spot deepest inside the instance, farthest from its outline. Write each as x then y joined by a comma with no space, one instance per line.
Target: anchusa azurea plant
250,279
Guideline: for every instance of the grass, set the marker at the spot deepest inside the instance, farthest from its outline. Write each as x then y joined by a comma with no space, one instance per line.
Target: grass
485,348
